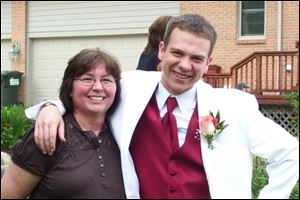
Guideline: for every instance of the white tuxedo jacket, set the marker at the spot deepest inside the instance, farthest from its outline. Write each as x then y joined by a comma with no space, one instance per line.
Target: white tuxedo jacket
228,166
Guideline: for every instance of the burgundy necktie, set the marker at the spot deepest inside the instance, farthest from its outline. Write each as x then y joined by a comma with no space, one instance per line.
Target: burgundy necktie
170,125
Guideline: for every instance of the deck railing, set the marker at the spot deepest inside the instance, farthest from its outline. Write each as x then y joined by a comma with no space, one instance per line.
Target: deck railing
269,74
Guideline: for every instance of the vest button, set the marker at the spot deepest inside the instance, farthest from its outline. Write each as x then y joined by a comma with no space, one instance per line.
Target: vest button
104,185
172,189
172,157
172,173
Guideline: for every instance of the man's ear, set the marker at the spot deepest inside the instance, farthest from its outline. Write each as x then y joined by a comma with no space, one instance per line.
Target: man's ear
161,50
209,61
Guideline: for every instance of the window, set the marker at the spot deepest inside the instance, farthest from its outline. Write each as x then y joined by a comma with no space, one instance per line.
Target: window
252,19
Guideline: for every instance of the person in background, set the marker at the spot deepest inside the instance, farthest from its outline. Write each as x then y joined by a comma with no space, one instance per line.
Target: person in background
242,86
149,60
181,138
88,164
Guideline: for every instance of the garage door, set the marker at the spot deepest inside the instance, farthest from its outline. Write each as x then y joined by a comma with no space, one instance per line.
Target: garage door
5,62
50,56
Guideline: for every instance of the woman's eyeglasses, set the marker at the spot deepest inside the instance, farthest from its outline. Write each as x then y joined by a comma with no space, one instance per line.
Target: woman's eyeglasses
109,80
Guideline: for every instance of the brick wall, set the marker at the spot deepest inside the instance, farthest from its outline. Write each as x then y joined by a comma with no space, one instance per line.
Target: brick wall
19,34
290,24
224,17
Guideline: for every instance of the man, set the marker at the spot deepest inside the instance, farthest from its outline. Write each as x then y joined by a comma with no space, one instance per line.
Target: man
158,165
242,86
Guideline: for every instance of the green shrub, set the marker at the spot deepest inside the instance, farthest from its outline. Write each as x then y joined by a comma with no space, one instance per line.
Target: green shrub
14,125
295,192
260,176
260,179
293,99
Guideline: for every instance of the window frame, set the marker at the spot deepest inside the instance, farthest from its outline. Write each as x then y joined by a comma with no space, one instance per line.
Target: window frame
252,37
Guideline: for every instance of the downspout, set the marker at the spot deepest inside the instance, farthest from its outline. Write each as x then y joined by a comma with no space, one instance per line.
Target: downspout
279,26
279,37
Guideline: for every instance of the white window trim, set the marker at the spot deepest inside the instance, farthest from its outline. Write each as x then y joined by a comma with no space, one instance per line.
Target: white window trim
240,37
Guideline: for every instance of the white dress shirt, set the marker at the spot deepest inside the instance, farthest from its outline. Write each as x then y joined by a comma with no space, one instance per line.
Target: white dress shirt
183,112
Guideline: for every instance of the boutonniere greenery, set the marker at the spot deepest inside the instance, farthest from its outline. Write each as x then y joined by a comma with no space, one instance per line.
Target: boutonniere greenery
210,127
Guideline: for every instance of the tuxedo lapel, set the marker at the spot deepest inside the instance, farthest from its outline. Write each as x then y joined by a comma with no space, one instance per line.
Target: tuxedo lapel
205,101
138,87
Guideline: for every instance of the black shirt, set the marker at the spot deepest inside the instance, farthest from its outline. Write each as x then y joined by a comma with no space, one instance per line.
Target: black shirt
148,62
86,166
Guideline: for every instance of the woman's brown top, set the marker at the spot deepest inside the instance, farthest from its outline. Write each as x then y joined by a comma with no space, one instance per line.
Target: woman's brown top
86,166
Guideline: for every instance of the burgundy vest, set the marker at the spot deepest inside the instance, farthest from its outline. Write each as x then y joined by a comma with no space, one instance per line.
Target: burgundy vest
163,174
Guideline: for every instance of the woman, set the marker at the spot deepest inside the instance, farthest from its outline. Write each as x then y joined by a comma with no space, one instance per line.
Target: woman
88,164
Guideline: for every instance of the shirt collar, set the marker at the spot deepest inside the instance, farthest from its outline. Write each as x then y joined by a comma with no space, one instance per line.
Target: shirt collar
186,100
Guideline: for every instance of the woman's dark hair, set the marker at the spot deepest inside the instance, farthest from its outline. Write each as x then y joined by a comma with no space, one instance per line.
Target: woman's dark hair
83,62
156,33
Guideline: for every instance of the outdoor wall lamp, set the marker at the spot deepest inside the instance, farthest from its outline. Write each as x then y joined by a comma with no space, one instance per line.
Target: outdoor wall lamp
14,51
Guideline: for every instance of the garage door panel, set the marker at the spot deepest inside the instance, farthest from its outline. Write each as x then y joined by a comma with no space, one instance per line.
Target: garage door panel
42,76
42,62
60,64
42,82
5,48
76,45
51,56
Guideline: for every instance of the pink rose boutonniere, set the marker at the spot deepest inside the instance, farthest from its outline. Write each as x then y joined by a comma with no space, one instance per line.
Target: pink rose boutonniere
210,127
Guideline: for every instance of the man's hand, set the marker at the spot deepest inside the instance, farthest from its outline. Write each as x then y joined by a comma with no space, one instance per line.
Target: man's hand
48,124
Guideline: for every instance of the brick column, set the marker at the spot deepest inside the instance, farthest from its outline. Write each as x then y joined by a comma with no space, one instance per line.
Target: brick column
19,34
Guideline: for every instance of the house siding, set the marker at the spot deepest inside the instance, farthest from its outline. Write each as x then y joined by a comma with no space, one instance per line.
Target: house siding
82,18
6,19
